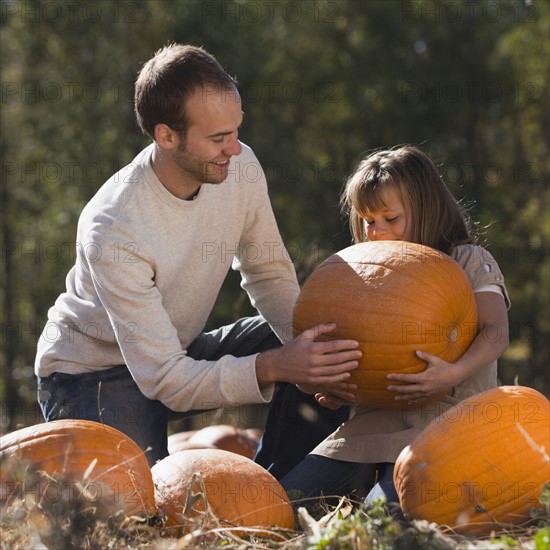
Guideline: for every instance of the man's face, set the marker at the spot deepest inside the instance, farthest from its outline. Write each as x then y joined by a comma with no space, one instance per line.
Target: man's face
211,140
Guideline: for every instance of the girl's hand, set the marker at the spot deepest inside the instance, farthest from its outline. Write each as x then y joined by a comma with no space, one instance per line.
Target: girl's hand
333,397
440,377
437,379
330,401
342,391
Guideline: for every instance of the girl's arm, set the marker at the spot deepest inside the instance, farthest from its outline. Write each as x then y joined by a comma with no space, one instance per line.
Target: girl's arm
440,377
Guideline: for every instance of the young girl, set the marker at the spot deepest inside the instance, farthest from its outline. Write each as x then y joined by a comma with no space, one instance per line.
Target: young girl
399,195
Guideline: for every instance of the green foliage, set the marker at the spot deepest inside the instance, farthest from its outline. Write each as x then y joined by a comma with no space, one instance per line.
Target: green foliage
368,527
545,496
542,539
374,527
322,83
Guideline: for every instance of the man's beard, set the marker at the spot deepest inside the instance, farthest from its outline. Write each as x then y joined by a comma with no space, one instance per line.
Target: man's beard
199,169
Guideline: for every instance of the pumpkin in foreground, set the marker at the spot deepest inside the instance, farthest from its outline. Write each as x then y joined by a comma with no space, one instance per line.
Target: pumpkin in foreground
236,490
69,459
394,298
220,436
480,465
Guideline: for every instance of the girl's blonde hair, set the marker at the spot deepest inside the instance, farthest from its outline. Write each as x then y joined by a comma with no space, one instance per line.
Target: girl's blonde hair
435,217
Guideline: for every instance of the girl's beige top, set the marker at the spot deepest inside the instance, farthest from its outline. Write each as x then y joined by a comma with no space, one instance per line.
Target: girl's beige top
379,435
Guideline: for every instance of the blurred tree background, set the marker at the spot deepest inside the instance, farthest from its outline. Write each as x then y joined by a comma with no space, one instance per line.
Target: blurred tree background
322,82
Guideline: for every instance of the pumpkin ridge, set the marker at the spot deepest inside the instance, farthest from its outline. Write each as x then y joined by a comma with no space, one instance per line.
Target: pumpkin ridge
498,485
237,490
393,298
67,449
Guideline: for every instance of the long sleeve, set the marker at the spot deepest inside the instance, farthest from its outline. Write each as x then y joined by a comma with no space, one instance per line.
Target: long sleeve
148,271
267,271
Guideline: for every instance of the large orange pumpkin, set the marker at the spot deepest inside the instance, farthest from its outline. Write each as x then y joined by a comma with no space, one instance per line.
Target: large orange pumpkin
218,436
238,491
480,464
394,298
77,457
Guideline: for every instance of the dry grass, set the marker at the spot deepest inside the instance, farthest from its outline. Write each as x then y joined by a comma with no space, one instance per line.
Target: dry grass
72,524
70,519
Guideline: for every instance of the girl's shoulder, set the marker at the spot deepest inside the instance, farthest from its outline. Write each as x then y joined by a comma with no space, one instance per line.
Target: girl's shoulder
472,253
480,266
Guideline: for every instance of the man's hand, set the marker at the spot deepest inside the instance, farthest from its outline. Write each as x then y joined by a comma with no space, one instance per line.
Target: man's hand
309,362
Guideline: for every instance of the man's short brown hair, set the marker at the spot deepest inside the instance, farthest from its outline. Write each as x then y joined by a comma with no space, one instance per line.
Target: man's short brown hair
167,80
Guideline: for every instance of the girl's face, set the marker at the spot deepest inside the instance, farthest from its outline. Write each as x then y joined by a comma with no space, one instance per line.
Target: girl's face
390,223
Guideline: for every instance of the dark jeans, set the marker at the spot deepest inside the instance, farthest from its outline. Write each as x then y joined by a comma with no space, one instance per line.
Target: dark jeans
295,424
112,397
318,476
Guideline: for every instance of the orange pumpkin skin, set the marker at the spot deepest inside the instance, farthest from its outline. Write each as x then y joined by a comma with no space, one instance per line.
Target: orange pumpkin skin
481,463
239,492
220,436
394,298
106,462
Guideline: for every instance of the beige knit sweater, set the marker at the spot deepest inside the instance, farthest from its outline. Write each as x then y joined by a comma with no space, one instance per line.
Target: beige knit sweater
148,270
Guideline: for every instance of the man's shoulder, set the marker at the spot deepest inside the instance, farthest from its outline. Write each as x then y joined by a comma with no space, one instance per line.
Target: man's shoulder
246,149
247,154
123,180
246,168
116,195
132,173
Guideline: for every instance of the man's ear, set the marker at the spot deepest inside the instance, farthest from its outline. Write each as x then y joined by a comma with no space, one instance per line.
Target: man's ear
165,136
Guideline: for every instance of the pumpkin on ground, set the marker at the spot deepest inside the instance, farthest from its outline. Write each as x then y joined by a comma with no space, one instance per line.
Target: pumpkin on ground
235,489
66,459
220,436
394,298
481,464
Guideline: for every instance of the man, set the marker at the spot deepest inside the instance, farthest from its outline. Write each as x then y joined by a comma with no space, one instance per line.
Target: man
124,343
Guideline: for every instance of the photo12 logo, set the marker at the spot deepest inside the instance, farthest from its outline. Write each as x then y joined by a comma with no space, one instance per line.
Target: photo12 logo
269,11
72,11
471,492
